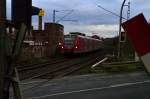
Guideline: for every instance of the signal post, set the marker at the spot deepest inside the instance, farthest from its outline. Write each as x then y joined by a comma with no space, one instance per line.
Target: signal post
40,14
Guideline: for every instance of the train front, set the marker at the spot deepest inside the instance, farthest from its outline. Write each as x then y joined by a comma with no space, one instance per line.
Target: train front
68,44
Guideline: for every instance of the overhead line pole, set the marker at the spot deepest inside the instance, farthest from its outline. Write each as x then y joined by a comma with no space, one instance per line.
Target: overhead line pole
120,21
54,16
128,12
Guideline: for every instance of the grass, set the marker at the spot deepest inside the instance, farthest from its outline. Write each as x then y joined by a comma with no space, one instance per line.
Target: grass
113,69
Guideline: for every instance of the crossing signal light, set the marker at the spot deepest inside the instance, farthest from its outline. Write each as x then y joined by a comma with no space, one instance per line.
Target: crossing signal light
21,12
35,10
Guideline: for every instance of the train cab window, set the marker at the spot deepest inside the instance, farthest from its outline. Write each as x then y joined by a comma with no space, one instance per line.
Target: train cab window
69,39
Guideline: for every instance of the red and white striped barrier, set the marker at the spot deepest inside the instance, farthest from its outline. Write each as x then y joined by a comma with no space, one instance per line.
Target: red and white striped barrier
138,32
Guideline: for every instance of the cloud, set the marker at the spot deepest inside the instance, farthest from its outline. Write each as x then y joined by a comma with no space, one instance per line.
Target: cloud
101,30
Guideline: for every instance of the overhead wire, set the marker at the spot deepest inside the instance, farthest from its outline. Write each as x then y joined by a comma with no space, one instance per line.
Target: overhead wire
65,16
110,12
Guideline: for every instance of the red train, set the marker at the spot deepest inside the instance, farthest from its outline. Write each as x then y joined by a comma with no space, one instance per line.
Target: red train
79,44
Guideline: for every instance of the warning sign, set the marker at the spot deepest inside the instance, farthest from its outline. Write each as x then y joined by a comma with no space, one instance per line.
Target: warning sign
138,32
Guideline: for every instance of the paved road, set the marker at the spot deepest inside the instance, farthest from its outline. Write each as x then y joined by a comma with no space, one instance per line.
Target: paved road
139,91
121,86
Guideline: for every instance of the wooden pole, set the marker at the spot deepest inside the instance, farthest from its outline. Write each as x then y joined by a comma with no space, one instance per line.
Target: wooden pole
16,86
2,44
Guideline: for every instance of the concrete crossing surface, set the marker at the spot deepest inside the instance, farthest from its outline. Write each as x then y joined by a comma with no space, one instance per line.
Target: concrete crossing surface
117,86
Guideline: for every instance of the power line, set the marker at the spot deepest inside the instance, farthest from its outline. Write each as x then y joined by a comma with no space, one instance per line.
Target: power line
70,20
65,16
110,11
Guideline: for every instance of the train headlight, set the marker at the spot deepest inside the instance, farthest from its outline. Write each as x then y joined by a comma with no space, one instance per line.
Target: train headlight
59,43
62,47
76,47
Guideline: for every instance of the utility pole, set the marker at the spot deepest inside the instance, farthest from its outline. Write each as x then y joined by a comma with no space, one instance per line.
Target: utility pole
2,47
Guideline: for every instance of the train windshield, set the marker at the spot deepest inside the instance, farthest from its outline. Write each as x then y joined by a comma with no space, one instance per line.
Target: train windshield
69,39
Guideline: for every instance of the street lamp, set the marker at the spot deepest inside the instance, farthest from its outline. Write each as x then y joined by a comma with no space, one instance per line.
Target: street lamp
120,21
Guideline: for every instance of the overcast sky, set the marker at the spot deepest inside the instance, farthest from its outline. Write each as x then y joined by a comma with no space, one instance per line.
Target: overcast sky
91,19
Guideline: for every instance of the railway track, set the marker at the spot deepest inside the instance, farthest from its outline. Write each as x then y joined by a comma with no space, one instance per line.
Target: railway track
21,66
39,65
57,68
68,70
33,70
